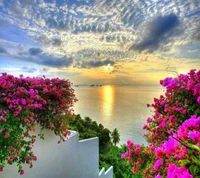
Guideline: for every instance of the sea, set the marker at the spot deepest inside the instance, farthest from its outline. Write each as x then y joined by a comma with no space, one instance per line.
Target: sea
121,107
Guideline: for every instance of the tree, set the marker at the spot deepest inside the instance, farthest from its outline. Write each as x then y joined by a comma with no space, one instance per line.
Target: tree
115,136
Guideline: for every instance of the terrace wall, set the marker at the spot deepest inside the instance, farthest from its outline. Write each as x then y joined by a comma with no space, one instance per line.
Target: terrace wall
71,159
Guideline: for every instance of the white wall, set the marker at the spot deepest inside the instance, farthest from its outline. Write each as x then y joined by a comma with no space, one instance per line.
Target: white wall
106,174
71,159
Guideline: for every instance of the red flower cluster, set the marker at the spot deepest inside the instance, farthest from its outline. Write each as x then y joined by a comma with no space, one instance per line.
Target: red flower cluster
173,131
25,103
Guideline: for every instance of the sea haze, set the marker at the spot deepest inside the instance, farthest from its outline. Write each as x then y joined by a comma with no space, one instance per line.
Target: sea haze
121,107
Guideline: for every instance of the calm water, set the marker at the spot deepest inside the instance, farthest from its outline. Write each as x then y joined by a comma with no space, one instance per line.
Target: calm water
121,107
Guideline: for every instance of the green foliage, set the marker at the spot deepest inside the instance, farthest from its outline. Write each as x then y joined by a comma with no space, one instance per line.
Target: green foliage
115,136
110,154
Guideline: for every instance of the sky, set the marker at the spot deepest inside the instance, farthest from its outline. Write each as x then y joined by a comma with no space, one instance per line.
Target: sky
123,42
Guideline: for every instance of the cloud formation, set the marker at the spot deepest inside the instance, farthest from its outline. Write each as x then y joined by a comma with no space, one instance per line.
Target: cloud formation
29,69
93,33
94,64
54,61
35,51
196,35
56,42
157,31
2,50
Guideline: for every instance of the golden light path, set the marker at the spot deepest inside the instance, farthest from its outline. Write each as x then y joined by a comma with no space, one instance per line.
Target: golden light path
107,97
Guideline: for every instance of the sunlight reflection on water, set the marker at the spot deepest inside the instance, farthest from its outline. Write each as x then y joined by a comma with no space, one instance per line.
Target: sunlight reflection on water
121,107
107,104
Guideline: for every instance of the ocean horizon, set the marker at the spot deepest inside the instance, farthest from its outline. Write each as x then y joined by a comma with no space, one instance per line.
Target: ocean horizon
118,106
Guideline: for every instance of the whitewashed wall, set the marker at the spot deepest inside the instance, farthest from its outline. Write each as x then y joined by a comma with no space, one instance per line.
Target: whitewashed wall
71,159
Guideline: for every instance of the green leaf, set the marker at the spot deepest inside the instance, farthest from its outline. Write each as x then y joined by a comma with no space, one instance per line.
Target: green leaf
193,169
183,162
196,160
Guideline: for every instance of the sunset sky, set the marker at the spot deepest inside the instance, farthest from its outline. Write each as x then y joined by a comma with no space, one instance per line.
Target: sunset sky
135,42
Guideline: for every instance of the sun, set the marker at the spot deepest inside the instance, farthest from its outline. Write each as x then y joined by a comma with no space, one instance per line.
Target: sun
107,67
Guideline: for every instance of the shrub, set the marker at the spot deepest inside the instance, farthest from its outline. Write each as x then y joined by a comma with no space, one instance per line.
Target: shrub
173,133
25,103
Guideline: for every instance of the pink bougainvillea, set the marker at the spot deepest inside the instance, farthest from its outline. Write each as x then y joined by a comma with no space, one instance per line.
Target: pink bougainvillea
173,132
25,103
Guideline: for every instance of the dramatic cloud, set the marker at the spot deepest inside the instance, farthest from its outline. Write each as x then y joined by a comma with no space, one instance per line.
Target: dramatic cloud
83,35
196,35
56,42
2,50
35,51
94,64
37,56
29,69
54,61
158,31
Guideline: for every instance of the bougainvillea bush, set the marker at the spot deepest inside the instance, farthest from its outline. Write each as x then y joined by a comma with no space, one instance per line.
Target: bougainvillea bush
173,132
26,103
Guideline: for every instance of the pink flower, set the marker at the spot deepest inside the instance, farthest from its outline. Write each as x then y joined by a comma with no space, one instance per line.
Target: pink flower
194,136
144,127
11,149
166,81
44,102
23,101
186,174
198,99
124,155
36,105
6,135
10,106
159,153
184,112
35,158
31,92
13,156
130,144
1,169
3,119
171,167
137,149
22,172
134,169
149,120
163,123
157,165
158,176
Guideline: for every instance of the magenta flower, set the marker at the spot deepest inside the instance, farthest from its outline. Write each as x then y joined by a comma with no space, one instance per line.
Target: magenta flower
149,120
35,158
166,81
198,99
157,165
159,153
130,144
31,92
11,149
158,176
195,136
124,155
22,172
144,127
23,101
163,123
173,130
